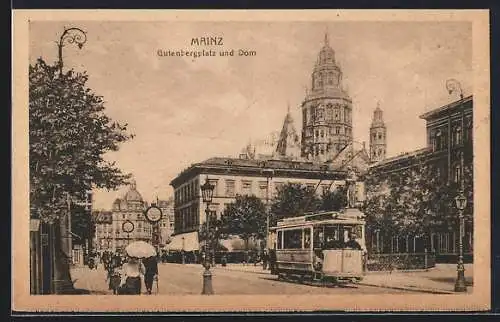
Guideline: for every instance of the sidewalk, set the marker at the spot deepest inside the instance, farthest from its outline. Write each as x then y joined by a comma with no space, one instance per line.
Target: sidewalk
437,280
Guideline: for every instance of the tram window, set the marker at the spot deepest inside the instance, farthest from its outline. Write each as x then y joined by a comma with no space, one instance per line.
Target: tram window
292,239
279,244
307,238
318,237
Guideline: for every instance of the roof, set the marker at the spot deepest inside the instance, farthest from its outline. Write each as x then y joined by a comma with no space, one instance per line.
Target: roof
446,108
259,167
401,157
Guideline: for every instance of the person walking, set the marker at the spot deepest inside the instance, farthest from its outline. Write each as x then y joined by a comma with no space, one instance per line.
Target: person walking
151,272
265,259
131,276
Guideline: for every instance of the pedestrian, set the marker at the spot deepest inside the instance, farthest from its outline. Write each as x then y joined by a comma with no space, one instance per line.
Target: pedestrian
352,243
131,276
265,259
272,261
113,277
151,272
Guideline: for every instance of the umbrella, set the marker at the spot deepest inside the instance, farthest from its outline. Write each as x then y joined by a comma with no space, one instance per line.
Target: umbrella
140,249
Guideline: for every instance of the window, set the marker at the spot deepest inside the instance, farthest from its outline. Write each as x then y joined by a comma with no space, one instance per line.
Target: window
329,111
330,78
457,136
292,239
457,173
246,188
321,113
337,130
337,113
438,141
263,189
279,244
278,186
316,133
230,188
346,114
307,238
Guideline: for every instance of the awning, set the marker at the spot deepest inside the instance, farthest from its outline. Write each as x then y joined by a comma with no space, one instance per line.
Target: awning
235,243
187,242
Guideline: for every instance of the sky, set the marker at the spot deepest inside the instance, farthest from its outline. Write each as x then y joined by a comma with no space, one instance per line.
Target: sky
184,110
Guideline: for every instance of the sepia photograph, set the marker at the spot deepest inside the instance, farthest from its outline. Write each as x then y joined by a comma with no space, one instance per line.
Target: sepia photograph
316,161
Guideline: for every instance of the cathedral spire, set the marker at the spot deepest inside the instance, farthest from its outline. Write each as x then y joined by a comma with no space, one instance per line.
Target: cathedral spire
288,141
326,39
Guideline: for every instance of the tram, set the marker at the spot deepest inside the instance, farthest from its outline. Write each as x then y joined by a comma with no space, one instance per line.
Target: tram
325,246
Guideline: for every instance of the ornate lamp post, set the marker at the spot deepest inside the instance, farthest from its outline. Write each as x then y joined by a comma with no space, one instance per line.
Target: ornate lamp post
70,36
461,203
207,192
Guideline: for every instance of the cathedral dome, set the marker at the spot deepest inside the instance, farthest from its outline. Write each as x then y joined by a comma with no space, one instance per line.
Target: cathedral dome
132,194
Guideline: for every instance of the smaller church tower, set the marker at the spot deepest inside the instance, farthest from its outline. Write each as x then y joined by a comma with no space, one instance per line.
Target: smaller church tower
288,146
378,136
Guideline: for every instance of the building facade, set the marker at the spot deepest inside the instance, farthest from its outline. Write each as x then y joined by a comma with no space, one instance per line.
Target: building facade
449,153
326,110
103,238
166,224
232,177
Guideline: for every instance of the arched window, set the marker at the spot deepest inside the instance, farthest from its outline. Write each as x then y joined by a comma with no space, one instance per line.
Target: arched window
321,113
330,78
336,113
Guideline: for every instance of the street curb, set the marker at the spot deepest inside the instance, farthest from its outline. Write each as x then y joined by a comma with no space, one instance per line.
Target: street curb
408,288
244,271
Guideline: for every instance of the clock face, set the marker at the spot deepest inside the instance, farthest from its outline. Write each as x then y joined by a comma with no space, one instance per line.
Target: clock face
128,226
153,214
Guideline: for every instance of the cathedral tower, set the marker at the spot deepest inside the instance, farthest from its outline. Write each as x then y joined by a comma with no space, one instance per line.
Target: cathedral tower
326,110
378,139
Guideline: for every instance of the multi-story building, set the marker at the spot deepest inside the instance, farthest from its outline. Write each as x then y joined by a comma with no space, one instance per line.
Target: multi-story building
103,238
166,224
131,208
233,176
448,152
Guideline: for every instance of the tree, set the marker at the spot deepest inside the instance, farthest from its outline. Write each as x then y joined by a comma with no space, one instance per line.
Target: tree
245,217
334,200
293,199
81,223
69,135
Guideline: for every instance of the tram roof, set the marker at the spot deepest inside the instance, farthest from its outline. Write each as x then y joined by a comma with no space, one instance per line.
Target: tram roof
322,218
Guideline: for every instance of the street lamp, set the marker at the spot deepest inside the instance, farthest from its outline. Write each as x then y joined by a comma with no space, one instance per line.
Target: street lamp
182,252
269,173
461,203
71,36
207,192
